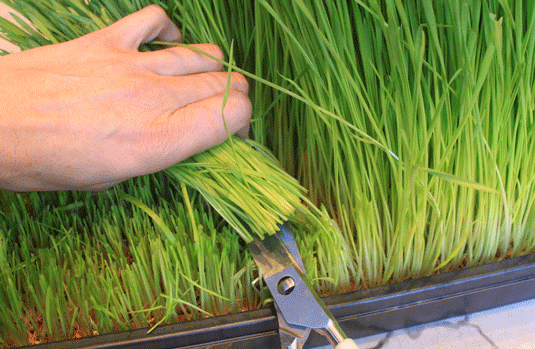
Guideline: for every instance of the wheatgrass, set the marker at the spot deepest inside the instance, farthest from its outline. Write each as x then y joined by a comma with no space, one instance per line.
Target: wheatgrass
410,124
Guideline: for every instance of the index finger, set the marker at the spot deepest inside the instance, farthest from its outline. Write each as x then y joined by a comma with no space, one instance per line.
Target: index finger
142,27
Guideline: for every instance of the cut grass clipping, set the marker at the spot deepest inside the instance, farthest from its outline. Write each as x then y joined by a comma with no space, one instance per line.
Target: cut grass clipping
408,122
250,191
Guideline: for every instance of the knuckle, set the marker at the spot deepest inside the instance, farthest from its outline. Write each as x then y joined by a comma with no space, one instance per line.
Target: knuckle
215,51
245,106
156,11
240,82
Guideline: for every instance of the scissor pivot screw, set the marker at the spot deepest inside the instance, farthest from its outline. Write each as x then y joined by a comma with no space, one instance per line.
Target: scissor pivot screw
286,285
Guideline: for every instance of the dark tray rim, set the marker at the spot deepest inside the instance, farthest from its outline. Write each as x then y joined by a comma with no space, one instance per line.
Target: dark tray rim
360,313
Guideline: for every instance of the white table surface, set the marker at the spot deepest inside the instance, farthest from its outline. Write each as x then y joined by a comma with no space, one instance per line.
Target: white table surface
507,327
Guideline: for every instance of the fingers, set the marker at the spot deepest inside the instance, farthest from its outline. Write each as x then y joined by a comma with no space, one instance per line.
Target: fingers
182,60
153,23
201,126
184,90
141,27
204,124
188,92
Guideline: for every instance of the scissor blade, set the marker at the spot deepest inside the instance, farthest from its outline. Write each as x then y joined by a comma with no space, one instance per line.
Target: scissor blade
287,237
288,285
291,291
271,255
291,336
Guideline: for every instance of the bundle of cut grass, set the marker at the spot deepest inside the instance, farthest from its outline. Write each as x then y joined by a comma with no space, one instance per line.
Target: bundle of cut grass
410,122
214,175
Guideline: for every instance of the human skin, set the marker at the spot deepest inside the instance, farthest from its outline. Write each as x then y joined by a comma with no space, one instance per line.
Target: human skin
92,112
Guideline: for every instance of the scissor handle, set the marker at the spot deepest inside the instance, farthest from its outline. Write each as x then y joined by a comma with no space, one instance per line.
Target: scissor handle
347,343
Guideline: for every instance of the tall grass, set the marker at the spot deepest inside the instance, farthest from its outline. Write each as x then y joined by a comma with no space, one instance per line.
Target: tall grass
409,123
83,264
444,89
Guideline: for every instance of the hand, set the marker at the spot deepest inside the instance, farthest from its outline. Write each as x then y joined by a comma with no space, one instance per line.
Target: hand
92,112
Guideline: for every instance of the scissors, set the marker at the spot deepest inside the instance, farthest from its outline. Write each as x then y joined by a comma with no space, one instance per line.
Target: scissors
299,308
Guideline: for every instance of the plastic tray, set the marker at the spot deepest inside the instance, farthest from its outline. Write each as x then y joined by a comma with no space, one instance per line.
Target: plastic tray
360,313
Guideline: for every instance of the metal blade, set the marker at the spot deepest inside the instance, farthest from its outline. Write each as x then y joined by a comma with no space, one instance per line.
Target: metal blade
287,237
294,296
291,336
271,255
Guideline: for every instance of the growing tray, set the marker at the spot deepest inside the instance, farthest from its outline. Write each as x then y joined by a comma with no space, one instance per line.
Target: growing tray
360,313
